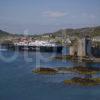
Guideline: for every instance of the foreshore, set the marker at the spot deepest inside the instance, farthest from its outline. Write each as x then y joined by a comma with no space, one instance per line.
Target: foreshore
83,59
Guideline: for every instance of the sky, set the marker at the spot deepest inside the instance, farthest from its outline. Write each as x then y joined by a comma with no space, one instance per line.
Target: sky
41,16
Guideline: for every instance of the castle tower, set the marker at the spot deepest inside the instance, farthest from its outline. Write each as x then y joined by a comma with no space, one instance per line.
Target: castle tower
84,47
73,49
81,47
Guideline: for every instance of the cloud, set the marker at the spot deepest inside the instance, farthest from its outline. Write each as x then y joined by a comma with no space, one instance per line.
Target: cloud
54,14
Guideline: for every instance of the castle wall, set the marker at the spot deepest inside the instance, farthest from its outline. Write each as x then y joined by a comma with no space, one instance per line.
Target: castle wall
82,47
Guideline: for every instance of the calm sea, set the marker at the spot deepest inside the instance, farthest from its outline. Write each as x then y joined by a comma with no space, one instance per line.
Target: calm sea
17,82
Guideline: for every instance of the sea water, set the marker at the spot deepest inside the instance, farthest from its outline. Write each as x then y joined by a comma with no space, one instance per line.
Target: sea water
18,82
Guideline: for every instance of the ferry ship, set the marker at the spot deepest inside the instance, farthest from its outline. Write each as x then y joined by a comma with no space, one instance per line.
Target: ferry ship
41,46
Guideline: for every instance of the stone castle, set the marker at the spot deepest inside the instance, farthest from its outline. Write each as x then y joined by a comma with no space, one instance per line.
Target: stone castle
81,47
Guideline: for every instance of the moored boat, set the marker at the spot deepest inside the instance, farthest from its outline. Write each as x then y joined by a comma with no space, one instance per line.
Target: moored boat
41,46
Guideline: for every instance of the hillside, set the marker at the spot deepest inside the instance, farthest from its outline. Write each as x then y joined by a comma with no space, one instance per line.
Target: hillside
90,31
3,33
63,34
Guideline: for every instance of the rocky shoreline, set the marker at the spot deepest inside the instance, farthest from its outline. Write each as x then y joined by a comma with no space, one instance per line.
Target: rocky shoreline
87,72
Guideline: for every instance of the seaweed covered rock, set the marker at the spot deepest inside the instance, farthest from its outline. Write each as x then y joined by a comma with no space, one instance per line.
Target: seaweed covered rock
86,70
45,71
83,81
80,69
61,70
76,58
65,57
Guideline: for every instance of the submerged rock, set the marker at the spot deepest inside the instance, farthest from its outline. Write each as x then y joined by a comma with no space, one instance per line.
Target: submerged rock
45,71
80,69
86,70
83,81
76,58
64,70
65,57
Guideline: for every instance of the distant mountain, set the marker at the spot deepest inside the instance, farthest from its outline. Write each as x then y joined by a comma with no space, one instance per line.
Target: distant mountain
90,31
7,34
3,33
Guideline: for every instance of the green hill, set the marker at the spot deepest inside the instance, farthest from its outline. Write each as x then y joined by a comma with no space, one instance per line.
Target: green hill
3,33
91,31
63,33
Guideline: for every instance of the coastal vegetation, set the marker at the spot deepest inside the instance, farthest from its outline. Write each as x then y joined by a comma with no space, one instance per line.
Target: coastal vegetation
59,35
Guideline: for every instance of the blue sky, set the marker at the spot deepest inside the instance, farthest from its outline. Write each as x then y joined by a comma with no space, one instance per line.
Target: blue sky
39,16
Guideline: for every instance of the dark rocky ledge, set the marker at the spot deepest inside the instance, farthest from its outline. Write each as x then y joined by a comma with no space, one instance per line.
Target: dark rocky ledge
61,70
45,71
75,58
83,81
